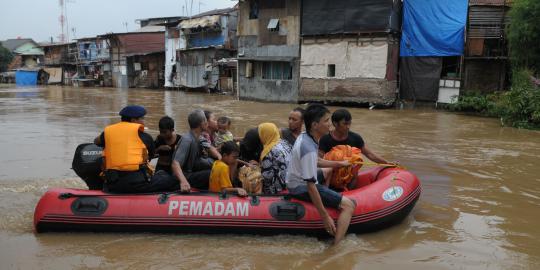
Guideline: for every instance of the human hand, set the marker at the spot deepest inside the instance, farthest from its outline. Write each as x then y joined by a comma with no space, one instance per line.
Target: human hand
329,225
253,163
241,192
343,163
185,187
395,163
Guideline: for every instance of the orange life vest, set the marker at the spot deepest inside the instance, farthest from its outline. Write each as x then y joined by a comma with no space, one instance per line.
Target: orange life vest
124,149
343,176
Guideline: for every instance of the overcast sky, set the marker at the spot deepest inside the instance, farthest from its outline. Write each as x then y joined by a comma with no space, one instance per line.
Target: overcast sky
38,19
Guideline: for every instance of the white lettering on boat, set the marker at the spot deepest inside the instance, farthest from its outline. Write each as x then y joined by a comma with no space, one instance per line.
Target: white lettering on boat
193,208
92,153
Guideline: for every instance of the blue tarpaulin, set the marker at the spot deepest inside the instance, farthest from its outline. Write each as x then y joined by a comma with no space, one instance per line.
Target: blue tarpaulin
26,77
433,27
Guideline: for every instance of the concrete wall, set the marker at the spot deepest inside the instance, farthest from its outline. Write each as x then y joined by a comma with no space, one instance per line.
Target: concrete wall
256,88
358,90
351,59
364,70
257,44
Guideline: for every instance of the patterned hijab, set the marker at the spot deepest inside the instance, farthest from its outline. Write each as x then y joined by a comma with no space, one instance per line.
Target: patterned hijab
269,136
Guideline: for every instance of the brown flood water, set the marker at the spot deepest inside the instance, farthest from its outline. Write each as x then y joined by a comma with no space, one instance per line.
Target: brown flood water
478,210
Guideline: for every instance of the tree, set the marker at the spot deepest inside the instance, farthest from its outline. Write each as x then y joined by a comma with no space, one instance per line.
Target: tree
524,35
5,58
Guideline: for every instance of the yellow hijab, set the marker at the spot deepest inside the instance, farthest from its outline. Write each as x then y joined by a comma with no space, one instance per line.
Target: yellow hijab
269,136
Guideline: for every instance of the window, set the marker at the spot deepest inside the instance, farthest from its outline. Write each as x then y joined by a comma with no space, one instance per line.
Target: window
273,25
276,71
331,72
253,9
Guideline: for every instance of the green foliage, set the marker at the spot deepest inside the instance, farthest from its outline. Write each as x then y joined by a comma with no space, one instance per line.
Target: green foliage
519,107
524,34
473,102
5,58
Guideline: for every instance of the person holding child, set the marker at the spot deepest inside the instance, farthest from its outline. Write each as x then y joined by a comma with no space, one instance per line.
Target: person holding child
165,144
223,134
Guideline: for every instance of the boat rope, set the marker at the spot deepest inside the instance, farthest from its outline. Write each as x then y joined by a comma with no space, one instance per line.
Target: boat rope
367,163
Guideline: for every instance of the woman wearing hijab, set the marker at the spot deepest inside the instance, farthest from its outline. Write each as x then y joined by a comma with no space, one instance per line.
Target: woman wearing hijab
274,158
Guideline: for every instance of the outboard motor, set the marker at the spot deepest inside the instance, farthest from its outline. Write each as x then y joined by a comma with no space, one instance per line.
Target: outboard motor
87,165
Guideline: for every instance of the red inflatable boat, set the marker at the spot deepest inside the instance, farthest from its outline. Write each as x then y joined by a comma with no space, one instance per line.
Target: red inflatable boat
388,197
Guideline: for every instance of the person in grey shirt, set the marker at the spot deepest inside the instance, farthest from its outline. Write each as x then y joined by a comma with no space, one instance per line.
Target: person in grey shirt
188,166
304,176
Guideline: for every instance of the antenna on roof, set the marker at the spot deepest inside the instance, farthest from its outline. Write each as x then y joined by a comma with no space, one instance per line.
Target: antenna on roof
200,3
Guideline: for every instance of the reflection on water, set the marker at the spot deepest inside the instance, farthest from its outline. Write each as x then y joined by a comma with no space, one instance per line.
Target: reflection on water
480,188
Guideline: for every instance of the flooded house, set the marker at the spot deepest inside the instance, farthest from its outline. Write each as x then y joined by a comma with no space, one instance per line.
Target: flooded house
269,50
172,45
27,53
60,62
485,63
431,49
353,59
25,67
206,51
93,62
137,58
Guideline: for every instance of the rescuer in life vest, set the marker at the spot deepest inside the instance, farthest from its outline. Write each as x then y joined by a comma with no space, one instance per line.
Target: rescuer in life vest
127,150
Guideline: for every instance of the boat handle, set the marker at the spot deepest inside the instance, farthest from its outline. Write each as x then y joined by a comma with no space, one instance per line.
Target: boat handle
163,198
255,200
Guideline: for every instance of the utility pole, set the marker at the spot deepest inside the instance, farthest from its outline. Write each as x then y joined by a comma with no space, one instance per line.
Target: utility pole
61,19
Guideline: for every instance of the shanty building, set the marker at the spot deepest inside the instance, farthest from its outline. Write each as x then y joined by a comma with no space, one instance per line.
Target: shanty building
486,65
349,51
93,62
137,58
59,62
269,50
207,51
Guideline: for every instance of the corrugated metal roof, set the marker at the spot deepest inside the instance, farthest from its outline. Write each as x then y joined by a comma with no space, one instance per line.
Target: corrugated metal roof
142,43
56,44
13,44
490,2
151,28
487,21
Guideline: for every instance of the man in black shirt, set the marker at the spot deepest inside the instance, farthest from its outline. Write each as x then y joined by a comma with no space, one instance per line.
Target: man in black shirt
341,135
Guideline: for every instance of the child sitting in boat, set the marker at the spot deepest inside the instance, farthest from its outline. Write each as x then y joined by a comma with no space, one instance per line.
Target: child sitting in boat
223,134
220,177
